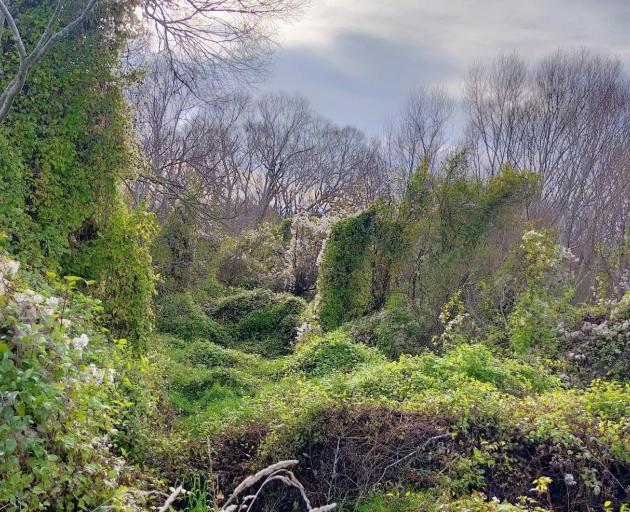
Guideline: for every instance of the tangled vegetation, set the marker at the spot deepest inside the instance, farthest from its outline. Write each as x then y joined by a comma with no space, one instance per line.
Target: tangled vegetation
414,346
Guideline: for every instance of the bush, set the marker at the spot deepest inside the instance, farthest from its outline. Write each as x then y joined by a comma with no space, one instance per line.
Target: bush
256,259
178,314
457,436
335,352
63,405
599,346
403,379
544,304
209,355
394,331
261,321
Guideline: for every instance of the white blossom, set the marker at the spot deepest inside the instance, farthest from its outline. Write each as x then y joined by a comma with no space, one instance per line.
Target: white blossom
566,254
80,342
12,267
96,374
52,302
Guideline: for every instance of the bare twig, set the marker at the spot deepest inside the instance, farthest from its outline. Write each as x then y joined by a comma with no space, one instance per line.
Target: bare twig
411,454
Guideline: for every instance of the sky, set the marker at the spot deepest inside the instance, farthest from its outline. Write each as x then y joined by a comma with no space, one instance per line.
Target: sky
356,60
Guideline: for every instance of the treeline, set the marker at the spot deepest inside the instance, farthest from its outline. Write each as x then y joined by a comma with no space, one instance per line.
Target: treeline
238,161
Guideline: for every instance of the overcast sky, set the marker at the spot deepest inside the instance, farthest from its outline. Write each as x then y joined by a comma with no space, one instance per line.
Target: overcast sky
356,60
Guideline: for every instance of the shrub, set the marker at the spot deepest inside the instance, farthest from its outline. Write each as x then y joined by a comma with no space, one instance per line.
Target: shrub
544,303
393,330
179,314
403,379
65,149
458,435
255,259
209,355
599,346
261,321
334,352
62,402
118,258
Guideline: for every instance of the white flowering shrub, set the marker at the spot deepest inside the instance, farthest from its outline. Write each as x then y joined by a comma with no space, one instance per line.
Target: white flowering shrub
58,403
308,237
533,323
599,346
283,258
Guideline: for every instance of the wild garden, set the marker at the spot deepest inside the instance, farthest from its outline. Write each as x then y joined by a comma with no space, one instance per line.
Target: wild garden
215,301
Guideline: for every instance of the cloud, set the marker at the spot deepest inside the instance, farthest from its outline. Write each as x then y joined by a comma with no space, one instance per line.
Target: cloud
362,80
357,59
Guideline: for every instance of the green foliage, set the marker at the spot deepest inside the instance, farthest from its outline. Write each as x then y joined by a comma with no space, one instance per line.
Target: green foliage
119,260
343,283
174,250
183,257
180,315
533,323
395,330
599,347
69,125
621,311
446,234
260,321
65,147
497,420
435,244
255,259
478,502
61,383
412,502
410,375
335,352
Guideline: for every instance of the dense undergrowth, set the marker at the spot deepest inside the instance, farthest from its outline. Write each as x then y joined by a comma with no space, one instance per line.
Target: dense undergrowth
424,354
506,395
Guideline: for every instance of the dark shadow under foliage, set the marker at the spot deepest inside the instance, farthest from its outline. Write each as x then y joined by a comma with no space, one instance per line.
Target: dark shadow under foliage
347,453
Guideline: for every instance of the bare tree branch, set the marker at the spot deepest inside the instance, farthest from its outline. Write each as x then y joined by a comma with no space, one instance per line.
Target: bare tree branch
27,59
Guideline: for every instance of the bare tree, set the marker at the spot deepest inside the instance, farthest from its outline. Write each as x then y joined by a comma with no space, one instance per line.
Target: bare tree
200,38
419,133
568,119
195,151
278,139
214,39
493,101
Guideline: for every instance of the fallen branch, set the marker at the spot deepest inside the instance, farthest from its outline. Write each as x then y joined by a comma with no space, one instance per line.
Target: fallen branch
276,472
169,501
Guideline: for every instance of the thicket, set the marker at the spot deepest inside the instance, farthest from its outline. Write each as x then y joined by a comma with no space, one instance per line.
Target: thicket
430,427
65,146
442,364
422,251
68,403
453,393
